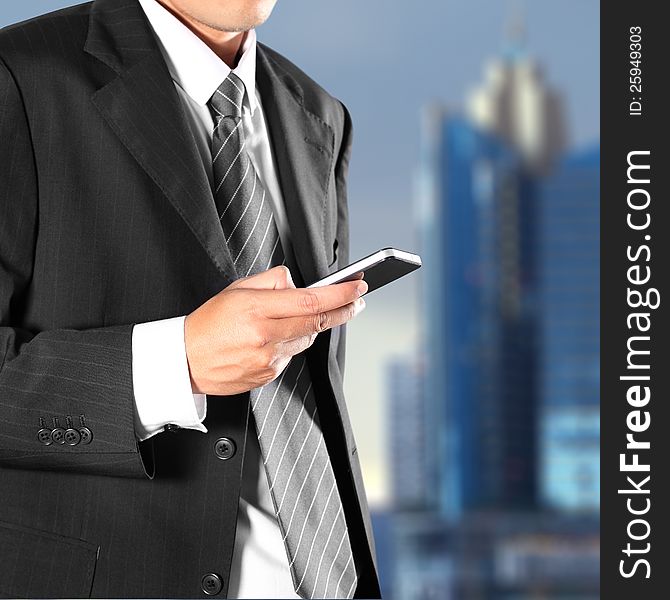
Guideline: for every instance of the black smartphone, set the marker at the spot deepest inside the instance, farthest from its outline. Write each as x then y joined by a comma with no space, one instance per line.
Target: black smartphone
378,269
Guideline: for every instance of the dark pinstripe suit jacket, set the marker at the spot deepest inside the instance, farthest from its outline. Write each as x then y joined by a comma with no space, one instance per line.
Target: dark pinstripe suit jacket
106,220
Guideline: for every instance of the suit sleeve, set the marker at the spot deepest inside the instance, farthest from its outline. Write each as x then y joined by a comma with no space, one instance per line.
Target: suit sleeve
57,373
341,172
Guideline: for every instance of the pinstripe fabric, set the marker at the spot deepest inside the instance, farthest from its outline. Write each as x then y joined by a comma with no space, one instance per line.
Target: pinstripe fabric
301,478
86,250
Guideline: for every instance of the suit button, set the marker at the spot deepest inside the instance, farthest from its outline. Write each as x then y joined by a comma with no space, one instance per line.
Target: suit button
58,435
211,584
224,448
84,432
72,437
44,436
86,435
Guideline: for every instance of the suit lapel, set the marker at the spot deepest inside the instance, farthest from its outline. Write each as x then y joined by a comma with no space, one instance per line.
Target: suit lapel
142,107
302,145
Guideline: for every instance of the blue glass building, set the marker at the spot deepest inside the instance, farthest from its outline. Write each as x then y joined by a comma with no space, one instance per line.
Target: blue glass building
570,333
477,215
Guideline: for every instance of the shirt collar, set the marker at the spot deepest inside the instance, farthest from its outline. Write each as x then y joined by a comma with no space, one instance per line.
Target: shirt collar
192,64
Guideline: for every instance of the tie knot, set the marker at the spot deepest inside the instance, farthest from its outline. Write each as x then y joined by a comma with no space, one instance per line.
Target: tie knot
227,99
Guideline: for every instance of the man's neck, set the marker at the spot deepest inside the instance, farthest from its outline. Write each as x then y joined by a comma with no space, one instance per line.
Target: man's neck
227,45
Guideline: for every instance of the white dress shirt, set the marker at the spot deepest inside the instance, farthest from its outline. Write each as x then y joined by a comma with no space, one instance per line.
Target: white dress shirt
161,381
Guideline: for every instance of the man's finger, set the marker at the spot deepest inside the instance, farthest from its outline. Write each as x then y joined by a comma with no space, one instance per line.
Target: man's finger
292,328
282,304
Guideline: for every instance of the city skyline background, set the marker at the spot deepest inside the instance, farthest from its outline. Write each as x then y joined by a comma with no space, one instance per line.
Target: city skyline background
386,63
495,414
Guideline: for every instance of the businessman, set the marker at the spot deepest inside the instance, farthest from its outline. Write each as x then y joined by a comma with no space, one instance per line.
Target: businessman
173,419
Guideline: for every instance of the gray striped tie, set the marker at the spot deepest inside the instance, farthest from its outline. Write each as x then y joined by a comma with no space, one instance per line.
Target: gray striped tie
297,465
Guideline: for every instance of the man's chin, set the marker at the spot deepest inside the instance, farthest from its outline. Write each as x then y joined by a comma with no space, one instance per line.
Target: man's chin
245,25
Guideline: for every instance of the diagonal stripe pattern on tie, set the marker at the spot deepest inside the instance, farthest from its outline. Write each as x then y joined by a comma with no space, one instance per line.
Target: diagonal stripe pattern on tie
299,473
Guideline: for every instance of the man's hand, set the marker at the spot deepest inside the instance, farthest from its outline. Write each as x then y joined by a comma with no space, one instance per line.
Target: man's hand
244,337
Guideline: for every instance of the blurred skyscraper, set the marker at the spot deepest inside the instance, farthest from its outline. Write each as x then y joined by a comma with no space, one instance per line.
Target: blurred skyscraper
516,105
570,332
478,224
410,477
479,185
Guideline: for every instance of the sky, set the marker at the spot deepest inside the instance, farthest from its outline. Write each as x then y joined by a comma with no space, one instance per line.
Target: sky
386,60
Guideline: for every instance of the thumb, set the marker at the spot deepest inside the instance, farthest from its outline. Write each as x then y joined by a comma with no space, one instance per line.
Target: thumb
277,278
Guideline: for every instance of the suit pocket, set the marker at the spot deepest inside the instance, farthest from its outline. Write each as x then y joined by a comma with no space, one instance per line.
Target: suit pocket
333,262
38,564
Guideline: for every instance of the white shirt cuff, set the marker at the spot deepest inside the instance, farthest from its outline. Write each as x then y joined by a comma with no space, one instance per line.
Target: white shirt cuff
161,381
